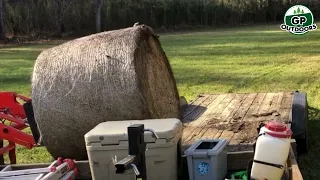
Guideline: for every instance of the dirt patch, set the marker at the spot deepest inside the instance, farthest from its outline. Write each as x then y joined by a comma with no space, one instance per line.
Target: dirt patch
247,132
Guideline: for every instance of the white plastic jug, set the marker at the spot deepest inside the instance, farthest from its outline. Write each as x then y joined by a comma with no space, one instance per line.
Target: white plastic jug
271,152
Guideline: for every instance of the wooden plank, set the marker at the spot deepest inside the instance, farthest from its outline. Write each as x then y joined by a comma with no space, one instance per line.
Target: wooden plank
254,107
226,135
196,111
210,133
196,123
296,174
281,96
232,108
192,106
276,104
222,106
287,171
210,108
276,101
242,111
186,132
198,136
192,130
218,134
235,140
286,106
264,113
289,100
284,111
199,110
266,103
188,138
212,117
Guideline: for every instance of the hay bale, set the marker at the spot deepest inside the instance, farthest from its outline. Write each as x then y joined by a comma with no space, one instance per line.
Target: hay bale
110,76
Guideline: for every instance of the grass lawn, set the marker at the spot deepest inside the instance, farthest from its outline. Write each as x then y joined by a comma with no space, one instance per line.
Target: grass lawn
247,59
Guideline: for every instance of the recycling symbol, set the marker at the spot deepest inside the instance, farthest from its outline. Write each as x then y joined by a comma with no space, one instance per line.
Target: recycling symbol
203,168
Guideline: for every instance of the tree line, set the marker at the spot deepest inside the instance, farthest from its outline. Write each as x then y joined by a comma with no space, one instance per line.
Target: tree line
77,17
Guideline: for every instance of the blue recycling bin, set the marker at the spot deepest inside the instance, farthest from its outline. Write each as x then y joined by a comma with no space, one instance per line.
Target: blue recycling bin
207,159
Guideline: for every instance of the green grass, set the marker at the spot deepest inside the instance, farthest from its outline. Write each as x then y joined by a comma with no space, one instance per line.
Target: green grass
247,59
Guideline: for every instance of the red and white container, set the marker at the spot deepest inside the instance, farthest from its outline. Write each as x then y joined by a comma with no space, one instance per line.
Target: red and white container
271,152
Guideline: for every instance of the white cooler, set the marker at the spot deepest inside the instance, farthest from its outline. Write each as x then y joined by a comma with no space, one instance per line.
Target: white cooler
108,143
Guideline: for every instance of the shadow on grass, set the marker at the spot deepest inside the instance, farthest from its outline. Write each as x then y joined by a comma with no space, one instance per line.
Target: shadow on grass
309,163
224,38
266,80
199,52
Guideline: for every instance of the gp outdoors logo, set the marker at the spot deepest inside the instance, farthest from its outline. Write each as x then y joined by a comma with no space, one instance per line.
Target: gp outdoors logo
298,20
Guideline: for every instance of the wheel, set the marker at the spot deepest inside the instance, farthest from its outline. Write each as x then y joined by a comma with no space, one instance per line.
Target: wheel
299,124
303,144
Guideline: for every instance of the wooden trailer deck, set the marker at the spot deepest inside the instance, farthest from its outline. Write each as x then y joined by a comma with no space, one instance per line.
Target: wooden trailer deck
234,117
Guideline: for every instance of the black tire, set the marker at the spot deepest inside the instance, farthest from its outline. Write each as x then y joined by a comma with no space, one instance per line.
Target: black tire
302,144
299,122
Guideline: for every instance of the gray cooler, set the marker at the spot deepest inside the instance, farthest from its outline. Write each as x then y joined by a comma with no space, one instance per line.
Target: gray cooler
108,143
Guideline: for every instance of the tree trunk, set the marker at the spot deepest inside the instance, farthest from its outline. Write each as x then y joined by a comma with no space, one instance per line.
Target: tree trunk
2,31
99,4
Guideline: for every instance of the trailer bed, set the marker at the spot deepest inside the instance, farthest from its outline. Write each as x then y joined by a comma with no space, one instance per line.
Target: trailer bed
234,117
292,171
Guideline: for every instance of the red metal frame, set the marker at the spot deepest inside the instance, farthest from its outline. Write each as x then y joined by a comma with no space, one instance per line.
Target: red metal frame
11,110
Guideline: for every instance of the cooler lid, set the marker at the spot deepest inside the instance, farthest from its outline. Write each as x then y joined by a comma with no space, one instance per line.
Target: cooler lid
112,132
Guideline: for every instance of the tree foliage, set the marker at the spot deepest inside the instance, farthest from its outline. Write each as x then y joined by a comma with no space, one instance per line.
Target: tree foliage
56,17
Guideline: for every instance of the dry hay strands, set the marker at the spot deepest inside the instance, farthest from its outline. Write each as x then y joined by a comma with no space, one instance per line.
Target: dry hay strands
110,76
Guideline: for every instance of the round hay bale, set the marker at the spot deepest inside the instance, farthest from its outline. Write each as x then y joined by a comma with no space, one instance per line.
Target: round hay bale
110,76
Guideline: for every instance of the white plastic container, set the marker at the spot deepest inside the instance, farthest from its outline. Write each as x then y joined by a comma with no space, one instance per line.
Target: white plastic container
271,152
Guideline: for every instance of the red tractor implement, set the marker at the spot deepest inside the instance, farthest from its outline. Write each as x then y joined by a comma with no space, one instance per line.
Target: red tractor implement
16,114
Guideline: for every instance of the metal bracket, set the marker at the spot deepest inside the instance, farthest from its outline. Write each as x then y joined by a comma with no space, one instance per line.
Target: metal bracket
137,148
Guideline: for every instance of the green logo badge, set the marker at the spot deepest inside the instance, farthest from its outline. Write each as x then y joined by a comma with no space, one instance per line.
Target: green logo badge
298,20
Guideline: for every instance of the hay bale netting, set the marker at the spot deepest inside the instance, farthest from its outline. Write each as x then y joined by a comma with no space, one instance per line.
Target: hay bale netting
109,76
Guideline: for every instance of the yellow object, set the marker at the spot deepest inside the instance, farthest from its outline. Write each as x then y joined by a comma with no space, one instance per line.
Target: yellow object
139,178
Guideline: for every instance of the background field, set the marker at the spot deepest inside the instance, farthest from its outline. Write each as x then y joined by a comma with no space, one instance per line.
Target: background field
247,59
33,18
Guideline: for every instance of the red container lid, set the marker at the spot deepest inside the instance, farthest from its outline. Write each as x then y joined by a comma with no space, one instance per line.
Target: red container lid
277,129
275,126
